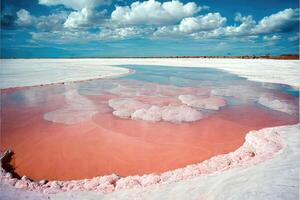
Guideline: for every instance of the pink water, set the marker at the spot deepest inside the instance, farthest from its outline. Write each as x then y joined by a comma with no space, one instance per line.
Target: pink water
65,132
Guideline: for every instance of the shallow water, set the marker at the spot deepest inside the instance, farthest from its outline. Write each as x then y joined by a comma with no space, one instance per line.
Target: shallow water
157,119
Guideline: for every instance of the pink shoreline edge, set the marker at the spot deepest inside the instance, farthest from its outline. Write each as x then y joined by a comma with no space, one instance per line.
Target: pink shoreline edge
258,146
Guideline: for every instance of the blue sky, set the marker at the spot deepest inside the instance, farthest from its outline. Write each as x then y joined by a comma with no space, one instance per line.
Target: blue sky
99,28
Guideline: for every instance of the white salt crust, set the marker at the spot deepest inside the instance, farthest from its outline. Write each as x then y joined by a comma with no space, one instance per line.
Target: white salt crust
33,72
48,71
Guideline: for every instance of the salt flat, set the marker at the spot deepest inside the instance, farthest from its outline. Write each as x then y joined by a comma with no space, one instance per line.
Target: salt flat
30,72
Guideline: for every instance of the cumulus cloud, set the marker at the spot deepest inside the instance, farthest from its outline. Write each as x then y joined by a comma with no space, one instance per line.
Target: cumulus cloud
211,25
190,25
282,21
153,12
85,18
246,25
202,23
75,4
78,18
152,19
42,23
84,13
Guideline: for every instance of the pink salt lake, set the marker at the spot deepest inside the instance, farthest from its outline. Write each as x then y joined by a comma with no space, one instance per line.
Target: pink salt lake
149,122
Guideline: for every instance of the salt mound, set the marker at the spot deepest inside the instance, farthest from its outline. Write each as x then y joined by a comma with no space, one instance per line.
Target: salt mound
180,113
131,108
152,114
170,113
124,107
276,104
210,103
78,109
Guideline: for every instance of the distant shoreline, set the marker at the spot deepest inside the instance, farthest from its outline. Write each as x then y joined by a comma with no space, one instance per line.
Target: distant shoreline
281,57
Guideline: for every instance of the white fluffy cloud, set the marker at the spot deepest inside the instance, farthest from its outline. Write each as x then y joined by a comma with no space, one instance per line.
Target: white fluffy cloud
84,11
279,22
150,19
75,4
246,25
85,18
42,23
152,12
207,22
282,21
78,18
191,25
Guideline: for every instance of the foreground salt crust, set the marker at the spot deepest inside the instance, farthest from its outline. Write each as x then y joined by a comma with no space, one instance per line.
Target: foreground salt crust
259,146
64,70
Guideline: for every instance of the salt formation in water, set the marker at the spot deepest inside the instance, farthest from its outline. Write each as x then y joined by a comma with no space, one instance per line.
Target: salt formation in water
276,104
130,108
124,107
170,113
78,109
210,103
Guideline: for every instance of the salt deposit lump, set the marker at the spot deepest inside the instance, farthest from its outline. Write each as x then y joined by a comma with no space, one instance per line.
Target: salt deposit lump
124,107
180,113
276,104
170,113
210,103
152,114
131,108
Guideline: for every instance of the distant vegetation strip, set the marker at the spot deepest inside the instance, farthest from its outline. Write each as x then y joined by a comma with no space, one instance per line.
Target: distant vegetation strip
281,57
